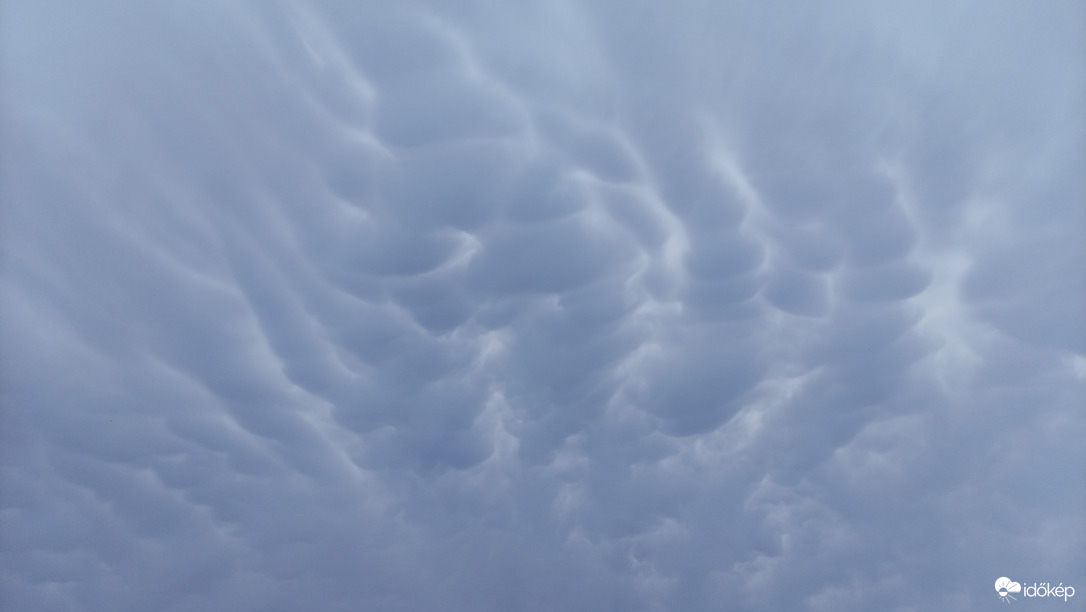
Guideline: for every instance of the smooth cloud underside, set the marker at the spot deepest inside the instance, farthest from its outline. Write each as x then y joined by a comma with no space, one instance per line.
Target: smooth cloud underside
571,306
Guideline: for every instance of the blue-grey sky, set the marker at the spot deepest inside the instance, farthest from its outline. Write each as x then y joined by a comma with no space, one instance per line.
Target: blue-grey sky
542,305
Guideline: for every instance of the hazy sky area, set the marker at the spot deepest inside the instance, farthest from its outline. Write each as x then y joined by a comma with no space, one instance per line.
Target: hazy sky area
542,305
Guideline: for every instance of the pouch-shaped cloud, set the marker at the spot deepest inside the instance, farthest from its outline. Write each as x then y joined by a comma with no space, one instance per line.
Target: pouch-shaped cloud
562,306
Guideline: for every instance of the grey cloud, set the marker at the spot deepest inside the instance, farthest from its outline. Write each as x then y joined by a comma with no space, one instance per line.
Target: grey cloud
698,388
638,216
549,258
465,187
440,107
716,257
812,248
798,293
570,306
438,301
542,192
889,282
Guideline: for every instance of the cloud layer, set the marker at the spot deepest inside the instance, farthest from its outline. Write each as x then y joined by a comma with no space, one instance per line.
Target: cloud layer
577,306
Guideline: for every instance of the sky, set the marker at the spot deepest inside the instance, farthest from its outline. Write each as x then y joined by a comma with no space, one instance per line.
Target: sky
541,305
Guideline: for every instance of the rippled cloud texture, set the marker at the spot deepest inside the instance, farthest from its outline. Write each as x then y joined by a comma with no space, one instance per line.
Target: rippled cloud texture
543,305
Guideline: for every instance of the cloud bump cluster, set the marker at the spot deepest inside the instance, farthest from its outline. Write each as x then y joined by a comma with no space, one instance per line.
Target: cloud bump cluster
577,306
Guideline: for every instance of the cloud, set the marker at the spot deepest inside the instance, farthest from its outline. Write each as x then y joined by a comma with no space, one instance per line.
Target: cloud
573,306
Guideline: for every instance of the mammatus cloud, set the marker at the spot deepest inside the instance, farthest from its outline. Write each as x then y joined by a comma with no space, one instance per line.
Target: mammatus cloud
575,306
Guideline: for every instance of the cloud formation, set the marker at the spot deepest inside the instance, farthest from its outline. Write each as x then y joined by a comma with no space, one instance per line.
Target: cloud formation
576,306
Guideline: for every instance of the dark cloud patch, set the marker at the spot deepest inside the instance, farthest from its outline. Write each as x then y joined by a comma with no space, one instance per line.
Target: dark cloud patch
892,282
715,257
465,186
438,301
1035,259
544,258
638,216
796,197
799,293
590,149
814,249
876,230
428,108
694,385
724,300
558,376
543,192
390,249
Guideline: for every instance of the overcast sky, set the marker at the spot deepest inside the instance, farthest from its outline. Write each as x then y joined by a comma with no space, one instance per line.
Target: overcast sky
546,305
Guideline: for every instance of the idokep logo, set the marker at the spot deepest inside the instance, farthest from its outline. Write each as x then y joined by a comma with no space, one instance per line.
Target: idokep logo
1005,587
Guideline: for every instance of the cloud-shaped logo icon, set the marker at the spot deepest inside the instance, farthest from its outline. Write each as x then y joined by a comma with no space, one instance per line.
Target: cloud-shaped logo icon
1005,586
